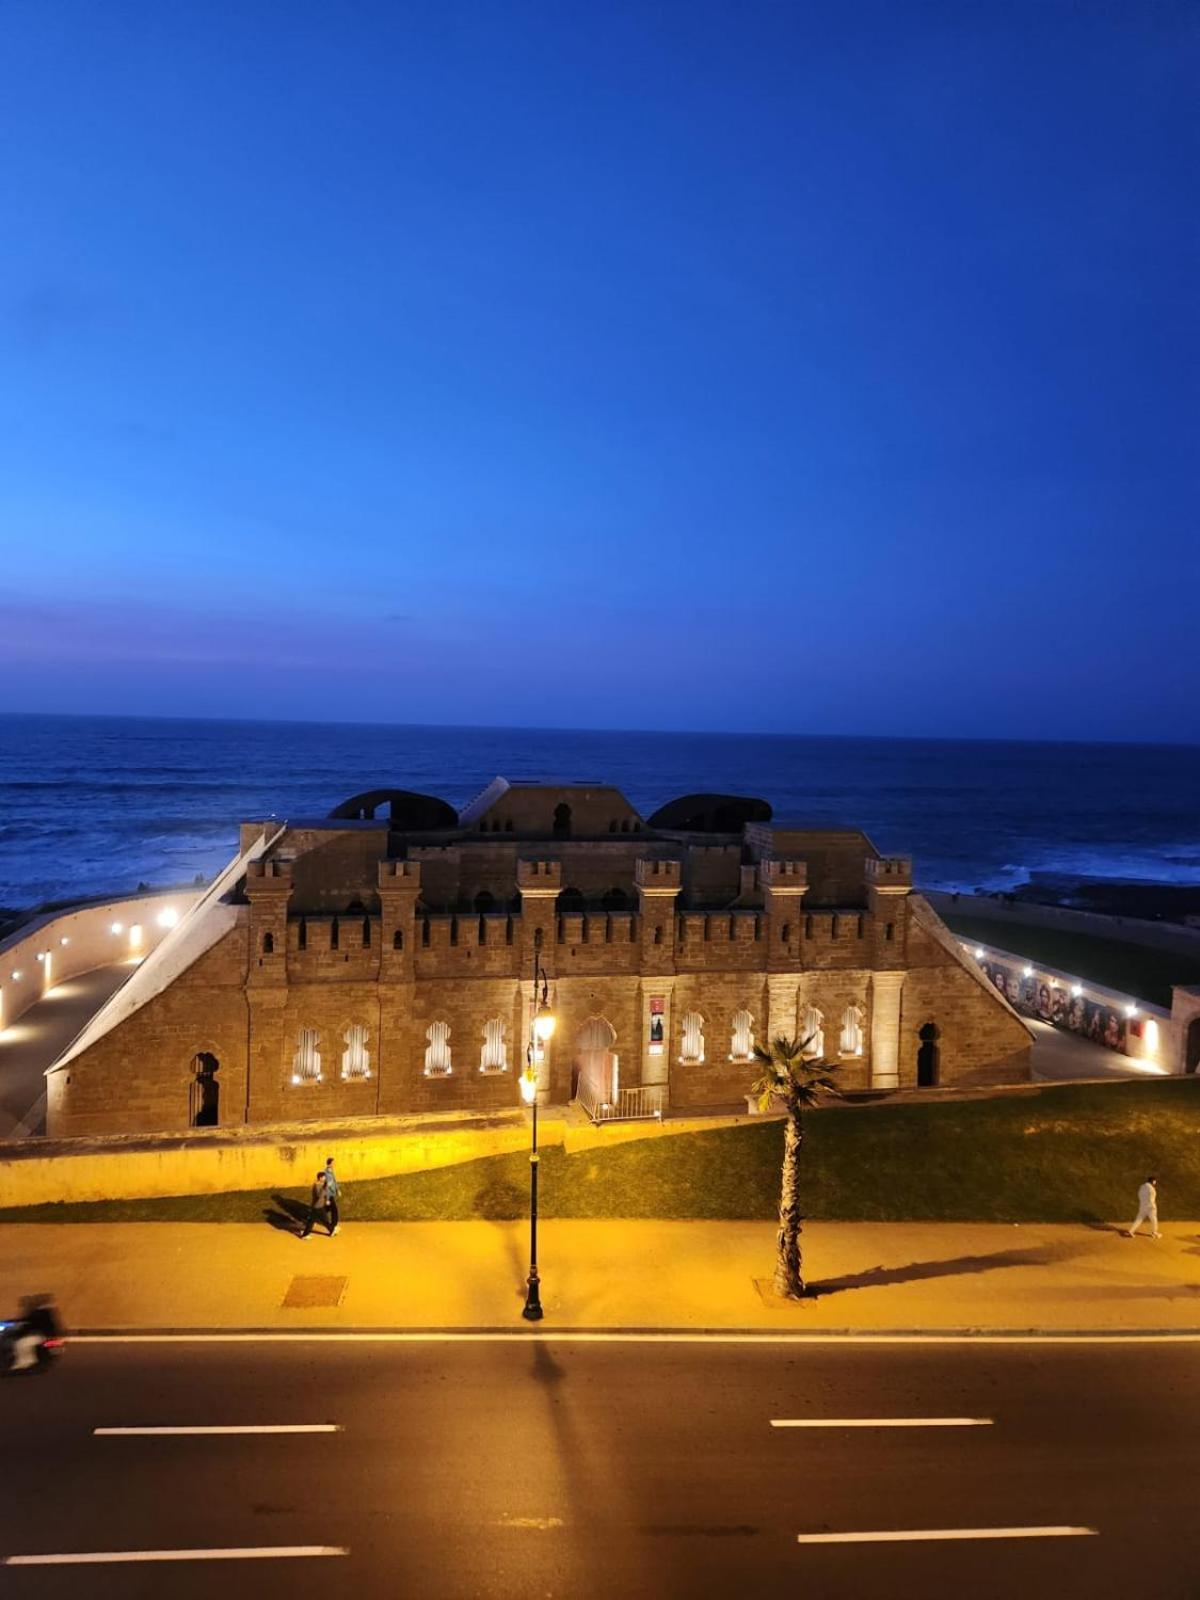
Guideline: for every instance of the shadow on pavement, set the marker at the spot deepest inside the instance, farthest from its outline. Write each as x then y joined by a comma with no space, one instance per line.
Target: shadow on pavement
286,1214
957,1266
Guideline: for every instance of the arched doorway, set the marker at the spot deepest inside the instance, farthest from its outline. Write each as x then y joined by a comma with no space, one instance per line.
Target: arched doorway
1191,1058
927,1056
595,1063
205,1091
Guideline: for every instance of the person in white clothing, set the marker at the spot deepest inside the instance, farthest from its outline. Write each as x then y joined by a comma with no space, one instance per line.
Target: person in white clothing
1147,1209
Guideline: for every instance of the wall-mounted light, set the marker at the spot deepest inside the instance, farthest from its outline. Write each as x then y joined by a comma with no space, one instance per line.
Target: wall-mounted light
16,977
979,952
1131,1011
64,940
1027,972
1077,990
168,917
41,955
118,927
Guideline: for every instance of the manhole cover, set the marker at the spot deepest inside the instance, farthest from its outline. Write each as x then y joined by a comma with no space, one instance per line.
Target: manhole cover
315,1292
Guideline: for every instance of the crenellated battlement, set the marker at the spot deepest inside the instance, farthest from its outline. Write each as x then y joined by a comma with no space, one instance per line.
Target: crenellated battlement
657,877
397,874
889,874
539,879
783,877
269,876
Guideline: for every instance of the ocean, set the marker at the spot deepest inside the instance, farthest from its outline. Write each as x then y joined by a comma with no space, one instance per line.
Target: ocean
97,805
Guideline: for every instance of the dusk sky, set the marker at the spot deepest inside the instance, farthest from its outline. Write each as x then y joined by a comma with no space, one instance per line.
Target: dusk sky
812,368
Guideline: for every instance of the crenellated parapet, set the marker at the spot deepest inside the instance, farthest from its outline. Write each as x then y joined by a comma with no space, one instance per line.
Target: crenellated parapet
539,880
657,877
783,878
889,874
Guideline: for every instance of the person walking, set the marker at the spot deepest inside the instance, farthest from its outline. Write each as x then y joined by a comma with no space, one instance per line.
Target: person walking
332,1191
1147,1209
318,1201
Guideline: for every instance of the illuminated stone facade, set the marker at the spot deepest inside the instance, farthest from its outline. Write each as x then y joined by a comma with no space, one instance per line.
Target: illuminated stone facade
382,964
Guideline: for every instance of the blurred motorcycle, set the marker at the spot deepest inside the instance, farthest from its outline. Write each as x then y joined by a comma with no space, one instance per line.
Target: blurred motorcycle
33,1340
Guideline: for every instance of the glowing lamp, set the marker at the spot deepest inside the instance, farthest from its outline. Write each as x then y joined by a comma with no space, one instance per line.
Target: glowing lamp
528,1082
64,940
979,952
543,1022
1027,972
168,917
1131,1011
1077,990
16,977
118,927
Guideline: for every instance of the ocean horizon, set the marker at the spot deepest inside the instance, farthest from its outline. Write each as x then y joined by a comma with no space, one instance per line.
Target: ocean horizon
92,805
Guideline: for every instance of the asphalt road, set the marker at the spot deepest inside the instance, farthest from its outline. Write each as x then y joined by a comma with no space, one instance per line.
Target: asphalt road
553,1468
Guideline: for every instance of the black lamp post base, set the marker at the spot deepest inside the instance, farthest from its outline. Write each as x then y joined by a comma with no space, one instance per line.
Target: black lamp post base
533,1303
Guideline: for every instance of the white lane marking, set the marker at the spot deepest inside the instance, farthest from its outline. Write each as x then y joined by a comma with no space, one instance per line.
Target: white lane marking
276,1427
881,1422
90,1558
461,1336
909,1535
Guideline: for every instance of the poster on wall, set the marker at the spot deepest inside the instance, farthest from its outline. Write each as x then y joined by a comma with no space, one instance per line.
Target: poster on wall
657,1011
1091,1019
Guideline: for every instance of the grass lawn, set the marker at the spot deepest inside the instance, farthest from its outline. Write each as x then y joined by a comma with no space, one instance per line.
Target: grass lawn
1066,1153
1131,968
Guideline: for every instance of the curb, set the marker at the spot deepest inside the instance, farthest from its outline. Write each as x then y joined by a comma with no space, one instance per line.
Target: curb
462,1334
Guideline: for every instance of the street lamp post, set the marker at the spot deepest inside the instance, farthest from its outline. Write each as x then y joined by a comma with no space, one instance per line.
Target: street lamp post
541,1026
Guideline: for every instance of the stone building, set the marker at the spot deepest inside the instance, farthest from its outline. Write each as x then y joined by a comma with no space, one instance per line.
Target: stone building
381,961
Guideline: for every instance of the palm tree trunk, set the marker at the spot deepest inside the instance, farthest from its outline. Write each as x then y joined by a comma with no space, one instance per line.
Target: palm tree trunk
789,1268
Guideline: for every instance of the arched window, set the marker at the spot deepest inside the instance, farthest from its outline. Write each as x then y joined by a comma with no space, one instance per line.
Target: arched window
494,1055
437,1056
741,1046
851,1041
398,939
306,1063
562,820
268,944
812,1031
485,900
356,1058
691,1047
302,935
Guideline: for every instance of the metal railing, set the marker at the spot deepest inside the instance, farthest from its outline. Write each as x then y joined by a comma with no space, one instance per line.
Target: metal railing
643,1101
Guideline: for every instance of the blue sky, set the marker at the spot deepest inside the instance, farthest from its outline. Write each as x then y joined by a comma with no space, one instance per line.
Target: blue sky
814,368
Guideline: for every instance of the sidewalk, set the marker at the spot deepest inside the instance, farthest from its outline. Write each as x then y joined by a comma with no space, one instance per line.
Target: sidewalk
606,1275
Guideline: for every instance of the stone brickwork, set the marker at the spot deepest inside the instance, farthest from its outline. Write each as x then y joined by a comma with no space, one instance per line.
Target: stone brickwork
372,971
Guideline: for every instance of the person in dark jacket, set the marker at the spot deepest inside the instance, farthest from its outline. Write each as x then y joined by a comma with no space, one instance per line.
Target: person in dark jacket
325,1193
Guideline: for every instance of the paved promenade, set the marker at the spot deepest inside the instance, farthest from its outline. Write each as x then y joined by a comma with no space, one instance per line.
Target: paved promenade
678,1275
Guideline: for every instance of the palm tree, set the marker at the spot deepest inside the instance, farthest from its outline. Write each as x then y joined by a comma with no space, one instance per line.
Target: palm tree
798,1082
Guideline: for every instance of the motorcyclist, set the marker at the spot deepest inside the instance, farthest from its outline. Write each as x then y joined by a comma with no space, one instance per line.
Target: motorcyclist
36,1328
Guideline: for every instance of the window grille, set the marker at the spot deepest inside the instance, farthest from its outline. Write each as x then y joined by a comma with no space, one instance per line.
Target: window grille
814,1031
306,1063
851,1041
742,1045
437,1056
356,1058
692,1048
494,1055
